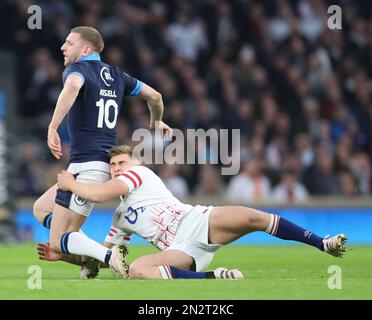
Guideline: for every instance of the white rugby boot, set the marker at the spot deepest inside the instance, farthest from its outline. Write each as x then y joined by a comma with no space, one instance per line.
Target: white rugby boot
224,273
118,261
336,245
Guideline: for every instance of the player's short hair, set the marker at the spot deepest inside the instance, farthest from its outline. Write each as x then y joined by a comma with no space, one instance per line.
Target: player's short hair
92,36
118,150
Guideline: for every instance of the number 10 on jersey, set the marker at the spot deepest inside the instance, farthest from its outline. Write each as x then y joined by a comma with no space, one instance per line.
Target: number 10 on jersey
104,113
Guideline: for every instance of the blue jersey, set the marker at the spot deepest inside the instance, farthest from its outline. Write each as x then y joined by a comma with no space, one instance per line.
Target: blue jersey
92,119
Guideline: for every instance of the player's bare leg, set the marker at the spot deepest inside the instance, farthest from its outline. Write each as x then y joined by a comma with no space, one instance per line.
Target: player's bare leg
64,220
43,206
43,212
229,223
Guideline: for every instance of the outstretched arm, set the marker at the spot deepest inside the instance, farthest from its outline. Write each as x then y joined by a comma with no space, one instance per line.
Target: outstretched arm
156,107
65,101
154,102
95,192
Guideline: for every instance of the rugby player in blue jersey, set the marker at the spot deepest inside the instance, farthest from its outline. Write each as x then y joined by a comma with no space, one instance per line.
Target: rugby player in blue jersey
91,97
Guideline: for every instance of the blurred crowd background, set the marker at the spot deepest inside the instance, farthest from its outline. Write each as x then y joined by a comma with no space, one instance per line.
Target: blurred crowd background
300,93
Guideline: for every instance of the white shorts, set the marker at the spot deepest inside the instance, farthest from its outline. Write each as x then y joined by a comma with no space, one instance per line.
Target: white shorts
85,172
192,237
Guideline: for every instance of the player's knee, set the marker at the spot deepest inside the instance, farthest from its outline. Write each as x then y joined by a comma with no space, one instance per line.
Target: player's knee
254,219
38,210
136,271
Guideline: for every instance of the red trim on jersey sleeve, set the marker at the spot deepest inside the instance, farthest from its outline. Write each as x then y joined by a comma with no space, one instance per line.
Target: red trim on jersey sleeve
136,175
130,178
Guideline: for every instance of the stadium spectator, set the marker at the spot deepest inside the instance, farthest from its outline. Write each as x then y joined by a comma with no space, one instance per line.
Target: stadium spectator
289,190
348,184
250,185
175,183
361,169
210,182
187,37
322,179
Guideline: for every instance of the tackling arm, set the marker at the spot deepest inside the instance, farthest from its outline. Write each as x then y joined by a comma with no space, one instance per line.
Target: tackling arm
96,192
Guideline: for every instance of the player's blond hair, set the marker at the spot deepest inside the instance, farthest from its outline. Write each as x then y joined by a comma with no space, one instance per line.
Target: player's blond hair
118,150
92,36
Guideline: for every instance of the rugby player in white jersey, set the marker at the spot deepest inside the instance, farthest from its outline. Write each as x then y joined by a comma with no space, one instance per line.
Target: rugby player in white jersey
188,236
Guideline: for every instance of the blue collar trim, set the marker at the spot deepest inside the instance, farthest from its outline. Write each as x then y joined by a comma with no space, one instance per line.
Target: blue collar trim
91,57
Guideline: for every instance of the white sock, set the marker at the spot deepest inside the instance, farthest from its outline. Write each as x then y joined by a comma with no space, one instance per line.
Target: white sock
165,272
80,244
273,225
270,226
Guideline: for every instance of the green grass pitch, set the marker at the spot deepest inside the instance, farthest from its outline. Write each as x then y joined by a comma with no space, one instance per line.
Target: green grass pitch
272,272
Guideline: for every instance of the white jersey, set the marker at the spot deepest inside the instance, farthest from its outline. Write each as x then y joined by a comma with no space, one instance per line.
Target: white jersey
148,209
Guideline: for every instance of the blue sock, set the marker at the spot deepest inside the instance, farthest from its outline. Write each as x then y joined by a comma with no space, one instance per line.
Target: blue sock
169,272
64,241
286,230
108,256
47,220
